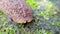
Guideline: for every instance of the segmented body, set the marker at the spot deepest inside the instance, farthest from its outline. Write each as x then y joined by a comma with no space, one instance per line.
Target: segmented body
18,10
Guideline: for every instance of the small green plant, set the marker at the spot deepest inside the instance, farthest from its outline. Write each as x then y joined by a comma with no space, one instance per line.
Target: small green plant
42,32
56,24
46,13
8,30
48,10
31,3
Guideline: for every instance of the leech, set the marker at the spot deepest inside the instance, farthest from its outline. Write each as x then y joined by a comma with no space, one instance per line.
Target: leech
18,10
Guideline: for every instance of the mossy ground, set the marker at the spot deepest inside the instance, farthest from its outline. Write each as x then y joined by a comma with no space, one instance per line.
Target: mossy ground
46,19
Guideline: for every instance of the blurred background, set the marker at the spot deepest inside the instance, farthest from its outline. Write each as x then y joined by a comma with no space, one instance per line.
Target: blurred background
46,19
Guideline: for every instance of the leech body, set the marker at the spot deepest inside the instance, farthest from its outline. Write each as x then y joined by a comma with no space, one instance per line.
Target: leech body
18,10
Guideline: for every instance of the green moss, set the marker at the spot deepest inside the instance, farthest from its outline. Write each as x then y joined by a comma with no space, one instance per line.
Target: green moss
42,32
31,3
48,12
56,24
37,23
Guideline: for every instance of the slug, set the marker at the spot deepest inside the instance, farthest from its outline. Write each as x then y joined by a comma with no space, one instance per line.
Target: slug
17,10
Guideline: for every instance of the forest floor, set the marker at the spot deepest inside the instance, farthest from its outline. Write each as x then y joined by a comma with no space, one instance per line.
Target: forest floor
46,19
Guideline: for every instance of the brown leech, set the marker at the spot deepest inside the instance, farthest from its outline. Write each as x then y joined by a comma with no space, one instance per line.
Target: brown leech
18,10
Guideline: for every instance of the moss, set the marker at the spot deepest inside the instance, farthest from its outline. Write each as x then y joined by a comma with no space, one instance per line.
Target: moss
31,3
39,17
